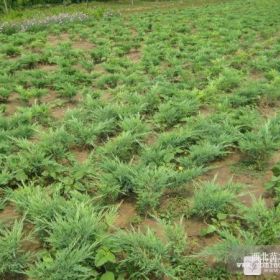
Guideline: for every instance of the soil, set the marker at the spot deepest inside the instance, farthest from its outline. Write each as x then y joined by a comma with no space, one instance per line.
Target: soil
106,96
134,55
55,40
257,75
13,104
47,67
83,45
80,155
126,212
9,214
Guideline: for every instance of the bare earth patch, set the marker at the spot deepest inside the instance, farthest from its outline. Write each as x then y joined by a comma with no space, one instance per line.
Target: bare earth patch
134,55
83,45
54,40
49,98
134,32
47,67
106,96
59,112
126,212
9,214
223,174
80,155
257,75
13,104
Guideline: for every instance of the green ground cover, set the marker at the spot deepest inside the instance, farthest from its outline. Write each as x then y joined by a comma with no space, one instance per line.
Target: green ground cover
130,143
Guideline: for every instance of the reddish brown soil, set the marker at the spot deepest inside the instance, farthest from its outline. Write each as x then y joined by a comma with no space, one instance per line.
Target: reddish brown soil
106,96
223,173
134,32
99,69
151,138
49,98
80,155
58,112
257,75
54,40
206,111
13,104
8,214
83,45
126,212
134,55
47,67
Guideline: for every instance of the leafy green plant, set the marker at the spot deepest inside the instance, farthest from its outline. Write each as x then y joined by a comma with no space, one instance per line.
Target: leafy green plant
211,199
123,146
205,152
13,259
146,256
173,111
258,146
262,221
69,263
82,225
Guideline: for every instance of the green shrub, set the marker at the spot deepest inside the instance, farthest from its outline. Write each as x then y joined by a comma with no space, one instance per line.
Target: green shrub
205,152
115,178
149,185
39,206
249,94
172,112
146,256
81,225
13,259
66,264
258,146
263,222
123,146
211,199
228,80
223,251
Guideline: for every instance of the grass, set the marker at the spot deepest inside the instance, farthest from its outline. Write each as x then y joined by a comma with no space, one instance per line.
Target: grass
133,113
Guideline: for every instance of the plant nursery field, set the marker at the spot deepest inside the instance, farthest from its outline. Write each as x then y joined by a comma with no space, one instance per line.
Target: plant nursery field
139,145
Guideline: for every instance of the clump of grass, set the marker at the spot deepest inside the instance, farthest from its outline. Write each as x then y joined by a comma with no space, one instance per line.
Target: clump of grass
206,152
257,146
70,263
211,199
173,112
147,256
115,178
13,259
262,221
249,94
124,146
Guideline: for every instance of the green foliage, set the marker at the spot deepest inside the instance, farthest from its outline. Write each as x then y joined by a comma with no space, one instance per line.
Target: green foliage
211,199
223,251
263,222
273,186
69,263
248,94
135,108
174,111
81,225
258,146
147,256
123,146
206,152
13,259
